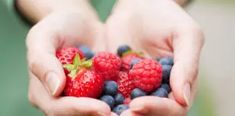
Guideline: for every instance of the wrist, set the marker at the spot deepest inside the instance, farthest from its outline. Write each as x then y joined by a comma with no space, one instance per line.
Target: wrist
35,11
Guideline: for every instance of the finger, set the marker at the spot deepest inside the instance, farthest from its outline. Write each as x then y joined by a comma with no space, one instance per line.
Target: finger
187,44
113,114
129,113
100,41
155,106
122,30
64,106
42,61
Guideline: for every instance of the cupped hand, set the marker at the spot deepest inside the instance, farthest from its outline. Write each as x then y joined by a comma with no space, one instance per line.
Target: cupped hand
159,28
47,79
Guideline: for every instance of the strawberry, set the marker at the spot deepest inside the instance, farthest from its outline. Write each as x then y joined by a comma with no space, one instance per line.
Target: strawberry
107,64
87,83
147,75
125,84
126,60
81,80
66,55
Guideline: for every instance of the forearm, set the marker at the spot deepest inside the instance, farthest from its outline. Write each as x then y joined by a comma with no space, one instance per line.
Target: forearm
35,10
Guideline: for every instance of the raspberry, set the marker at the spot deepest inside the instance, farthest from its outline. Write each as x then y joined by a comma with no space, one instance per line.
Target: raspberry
107,64
125,84
126,60
147,75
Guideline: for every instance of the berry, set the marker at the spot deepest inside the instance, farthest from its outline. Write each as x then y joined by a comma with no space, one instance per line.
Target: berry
161,92
86,51
127,100
137,93
166,71
120,108
122,49
109,100
66,55
107,64
126,60
85,84
125,84
119,99
147,75
110,88
166,61
134,61
166,87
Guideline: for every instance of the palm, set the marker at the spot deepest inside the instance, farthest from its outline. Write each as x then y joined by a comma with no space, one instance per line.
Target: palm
159,28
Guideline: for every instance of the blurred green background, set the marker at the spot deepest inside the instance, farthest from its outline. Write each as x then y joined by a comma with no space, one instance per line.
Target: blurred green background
217,18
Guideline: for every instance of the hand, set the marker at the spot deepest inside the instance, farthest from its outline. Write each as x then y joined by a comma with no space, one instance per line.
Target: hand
47,79
160,28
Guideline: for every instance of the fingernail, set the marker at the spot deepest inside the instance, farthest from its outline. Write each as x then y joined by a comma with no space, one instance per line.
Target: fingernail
187,93
52,82
139,109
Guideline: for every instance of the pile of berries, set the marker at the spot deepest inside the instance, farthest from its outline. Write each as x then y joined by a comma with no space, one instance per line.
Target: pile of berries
115,79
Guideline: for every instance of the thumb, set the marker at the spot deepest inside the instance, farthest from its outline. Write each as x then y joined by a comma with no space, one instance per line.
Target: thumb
44,64
187,44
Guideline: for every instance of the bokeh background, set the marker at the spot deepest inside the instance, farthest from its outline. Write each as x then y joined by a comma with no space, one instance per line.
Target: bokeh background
217,76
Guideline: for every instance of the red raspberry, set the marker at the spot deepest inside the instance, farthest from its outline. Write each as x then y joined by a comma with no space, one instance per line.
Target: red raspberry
125,84
147,75
107,64
126,60
66,55
87,83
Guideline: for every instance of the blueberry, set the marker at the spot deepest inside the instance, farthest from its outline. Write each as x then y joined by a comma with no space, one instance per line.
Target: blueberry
166,87
161,92
86,51
122,49
109,100
120,108
166,71
134,61
110,88
137,93
119,99
166,61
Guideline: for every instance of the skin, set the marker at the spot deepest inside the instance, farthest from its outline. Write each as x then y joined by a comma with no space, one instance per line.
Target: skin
76,23
156,27
160,28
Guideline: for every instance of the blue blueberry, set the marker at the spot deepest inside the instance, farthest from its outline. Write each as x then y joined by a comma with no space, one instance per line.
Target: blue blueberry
119,99
109,100
122,49
86,51
166,87
120,108
134,61
166,71
137,93
161,92
166,61
110,88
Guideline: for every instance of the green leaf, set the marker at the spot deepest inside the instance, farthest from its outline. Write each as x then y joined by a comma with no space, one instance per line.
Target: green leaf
73,73
87,63
77,60
69,67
